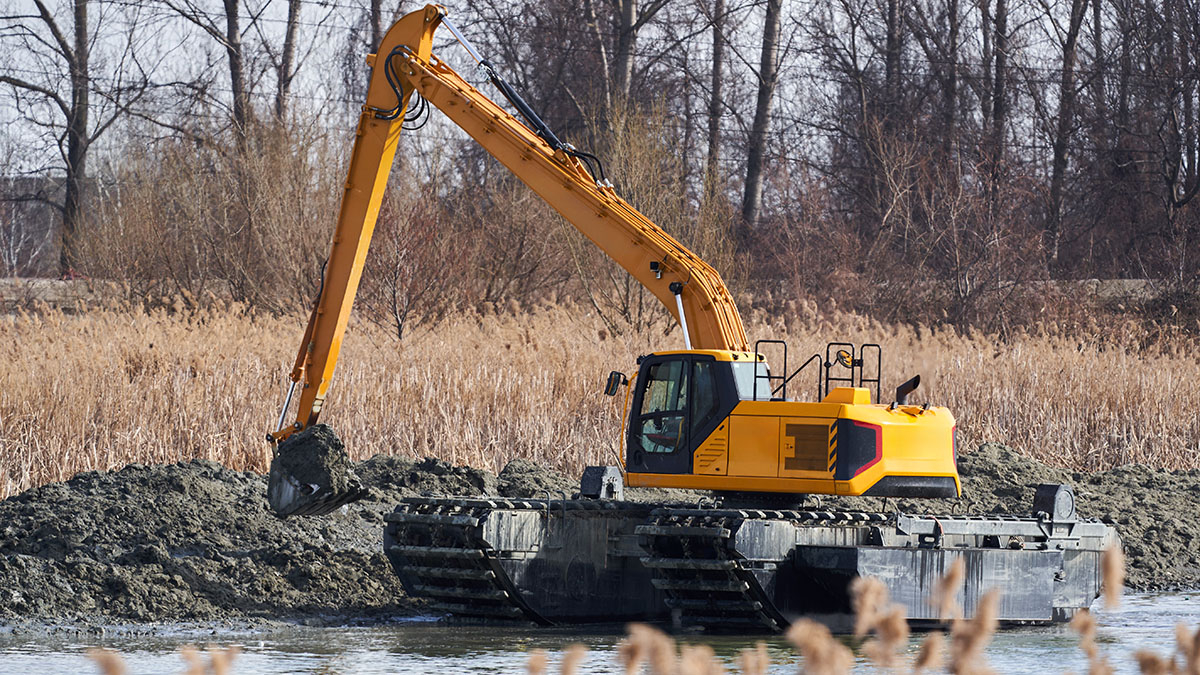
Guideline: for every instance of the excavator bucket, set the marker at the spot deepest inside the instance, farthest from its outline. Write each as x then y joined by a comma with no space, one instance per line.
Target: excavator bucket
312,475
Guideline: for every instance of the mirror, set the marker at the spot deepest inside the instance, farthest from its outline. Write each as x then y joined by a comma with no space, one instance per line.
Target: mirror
845,359
615,380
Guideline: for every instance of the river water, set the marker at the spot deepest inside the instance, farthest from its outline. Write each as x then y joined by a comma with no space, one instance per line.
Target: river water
417,646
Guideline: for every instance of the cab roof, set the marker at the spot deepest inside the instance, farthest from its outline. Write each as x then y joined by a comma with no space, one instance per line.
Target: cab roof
718,354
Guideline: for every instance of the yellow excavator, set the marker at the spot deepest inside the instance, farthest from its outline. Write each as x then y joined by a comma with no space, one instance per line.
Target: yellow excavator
711,416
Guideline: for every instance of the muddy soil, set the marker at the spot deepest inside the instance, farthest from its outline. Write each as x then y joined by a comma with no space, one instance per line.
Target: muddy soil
196,541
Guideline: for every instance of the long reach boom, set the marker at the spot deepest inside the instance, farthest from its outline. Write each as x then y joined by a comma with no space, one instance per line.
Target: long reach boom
691,290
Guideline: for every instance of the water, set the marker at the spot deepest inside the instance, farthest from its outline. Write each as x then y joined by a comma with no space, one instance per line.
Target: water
1142,622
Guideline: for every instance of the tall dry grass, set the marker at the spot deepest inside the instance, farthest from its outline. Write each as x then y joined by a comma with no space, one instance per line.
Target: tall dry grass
101,388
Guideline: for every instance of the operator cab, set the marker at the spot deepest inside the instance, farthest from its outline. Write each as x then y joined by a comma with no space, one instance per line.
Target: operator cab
680,399
720,420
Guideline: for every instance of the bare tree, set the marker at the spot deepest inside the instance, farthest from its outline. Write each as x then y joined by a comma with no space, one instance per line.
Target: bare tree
225,28
630,19
937,32
285,68
768,75
58,51
1065,125
716,101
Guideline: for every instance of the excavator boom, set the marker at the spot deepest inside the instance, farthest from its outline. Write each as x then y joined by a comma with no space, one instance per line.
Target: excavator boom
690,289
404,65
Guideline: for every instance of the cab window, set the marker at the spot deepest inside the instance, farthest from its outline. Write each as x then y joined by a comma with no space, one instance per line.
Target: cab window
743,377
705,406
664,407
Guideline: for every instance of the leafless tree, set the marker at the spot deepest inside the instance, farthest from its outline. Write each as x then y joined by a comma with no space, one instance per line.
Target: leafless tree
768,74
53,82
225,27
1065,123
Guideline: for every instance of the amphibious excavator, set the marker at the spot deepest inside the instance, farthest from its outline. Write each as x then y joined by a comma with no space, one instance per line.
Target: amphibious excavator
712,417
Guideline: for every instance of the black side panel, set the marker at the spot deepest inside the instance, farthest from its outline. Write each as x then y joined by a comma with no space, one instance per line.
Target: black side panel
913,486
678,462
856,447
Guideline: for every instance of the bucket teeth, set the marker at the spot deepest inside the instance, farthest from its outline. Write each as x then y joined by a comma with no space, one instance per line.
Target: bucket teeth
322,505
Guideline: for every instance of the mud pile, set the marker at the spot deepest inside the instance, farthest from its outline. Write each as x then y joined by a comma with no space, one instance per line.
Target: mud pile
197,541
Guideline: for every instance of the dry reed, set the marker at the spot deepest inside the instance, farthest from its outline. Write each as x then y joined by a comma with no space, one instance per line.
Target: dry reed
945,591
110,662
968,638
1112,571
873,613
536,665
573,656
1085,624
1188,644
754,661
101,388
929,656
823,655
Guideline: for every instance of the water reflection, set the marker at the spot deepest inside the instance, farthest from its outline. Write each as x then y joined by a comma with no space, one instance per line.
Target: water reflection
1143,622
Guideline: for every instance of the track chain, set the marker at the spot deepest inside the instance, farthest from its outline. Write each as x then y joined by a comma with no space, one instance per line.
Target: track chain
694,561
439,553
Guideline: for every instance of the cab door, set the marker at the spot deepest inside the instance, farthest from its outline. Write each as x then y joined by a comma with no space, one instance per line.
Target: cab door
658,428
679,400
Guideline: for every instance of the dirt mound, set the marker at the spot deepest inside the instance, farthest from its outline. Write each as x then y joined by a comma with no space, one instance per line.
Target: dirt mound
197,541
523,479
390,479
185,541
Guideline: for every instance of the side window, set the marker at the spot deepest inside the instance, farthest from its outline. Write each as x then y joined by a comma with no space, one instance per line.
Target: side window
704,396
661,423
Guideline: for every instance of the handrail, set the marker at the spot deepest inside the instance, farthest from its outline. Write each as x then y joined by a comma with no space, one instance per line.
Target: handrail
814,357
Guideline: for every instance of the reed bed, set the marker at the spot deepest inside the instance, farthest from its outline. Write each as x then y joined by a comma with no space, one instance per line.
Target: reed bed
96,389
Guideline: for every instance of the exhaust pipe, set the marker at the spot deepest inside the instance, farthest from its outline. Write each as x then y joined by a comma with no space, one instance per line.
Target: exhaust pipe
907,388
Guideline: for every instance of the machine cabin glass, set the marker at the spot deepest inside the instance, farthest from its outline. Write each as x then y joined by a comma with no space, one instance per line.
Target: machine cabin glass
661,420
678,401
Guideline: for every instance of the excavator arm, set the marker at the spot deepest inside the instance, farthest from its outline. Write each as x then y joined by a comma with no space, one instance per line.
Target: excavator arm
689,288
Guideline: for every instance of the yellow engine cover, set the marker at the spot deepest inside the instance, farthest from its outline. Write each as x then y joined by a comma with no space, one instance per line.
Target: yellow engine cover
842,445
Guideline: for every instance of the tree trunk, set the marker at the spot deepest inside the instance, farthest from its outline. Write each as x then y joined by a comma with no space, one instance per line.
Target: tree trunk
892,64
627,16
985,103
376,23
1126,70
1062,133
1100,101
715,101
237,77
950,87
286,61
589,7
999,98
767,76
77,141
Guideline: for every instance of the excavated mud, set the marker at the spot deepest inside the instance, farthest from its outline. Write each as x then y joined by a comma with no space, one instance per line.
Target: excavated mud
314,460
197,542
